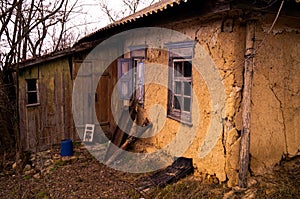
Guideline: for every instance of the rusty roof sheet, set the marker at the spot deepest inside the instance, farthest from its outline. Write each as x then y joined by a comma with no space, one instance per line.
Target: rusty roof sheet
153,9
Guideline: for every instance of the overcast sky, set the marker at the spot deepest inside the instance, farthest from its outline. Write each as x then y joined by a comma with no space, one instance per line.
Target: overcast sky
94,16
86,18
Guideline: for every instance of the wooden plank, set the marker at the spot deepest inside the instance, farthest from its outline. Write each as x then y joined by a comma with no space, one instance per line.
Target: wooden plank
246,104
113,82
119,137
129,141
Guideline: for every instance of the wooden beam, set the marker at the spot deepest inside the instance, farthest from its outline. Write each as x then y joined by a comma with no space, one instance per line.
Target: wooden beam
246,104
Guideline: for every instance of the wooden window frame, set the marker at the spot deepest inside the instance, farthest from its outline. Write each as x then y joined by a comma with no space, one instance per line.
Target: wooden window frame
180,52
30,91
125,79
131,83
138,79
138,55
179,114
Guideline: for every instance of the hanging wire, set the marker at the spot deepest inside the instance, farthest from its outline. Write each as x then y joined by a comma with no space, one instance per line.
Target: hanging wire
270,3
271,28
241,61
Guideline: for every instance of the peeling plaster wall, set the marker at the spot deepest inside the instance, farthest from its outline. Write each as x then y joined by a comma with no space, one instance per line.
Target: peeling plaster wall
276,94
226,50
275,98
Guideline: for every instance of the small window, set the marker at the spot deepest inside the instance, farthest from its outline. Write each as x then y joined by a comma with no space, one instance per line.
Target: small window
32,92
180,90
131,75
180,81
125,79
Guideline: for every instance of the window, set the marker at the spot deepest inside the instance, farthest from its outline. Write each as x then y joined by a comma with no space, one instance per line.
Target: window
180,90
125,78
32,92
139,79
180,81
131,75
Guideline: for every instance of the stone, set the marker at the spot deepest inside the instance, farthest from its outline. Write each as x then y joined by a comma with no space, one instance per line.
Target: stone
73,158
229,194
32,159
270,191
250,194
29,172
27,167
251,182
37,176
46,170
56,156
238,189
48,162
66,158
81,157
14,166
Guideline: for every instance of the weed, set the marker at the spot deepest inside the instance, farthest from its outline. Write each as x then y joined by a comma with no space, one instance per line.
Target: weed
76,144
27,177
60,163
41,194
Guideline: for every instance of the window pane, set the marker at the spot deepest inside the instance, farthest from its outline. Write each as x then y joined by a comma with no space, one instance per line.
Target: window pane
177,101
177,88
187,104
31,85
187,69
32,98
187,88
178,69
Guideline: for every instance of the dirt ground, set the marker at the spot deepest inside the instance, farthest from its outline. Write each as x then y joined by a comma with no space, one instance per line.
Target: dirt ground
82,176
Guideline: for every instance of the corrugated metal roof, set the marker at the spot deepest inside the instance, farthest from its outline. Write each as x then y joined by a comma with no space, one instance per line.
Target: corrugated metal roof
153,9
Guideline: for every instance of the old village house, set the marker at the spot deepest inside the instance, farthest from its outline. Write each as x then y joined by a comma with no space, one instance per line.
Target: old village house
220,37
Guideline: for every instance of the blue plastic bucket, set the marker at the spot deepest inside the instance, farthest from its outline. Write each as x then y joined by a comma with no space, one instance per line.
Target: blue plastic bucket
66,147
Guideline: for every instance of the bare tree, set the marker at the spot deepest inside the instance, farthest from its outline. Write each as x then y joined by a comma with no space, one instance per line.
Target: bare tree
128,7
26,26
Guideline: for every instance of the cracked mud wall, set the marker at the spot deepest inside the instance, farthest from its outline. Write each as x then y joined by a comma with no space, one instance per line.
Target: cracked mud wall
275,100
276,94
226,48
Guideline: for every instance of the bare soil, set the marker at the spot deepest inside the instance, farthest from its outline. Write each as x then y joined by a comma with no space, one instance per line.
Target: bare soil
82,176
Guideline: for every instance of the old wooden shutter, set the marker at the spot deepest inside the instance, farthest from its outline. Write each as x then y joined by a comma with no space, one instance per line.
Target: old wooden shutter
140,81
125,78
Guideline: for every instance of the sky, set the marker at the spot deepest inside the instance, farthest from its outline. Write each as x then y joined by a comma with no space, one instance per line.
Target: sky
87,18
97,19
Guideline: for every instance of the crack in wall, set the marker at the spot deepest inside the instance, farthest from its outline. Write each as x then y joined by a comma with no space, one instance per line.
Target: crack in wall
224,147
282,115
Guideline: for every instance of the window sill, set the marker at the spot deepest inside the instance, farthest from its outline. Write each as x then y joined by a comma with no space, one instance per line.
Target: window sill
32,105
188,123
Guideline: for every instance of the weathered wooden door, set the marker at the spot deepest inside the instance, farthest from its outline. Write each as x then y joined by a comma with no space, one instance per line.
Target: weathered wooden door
84,92
102,100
